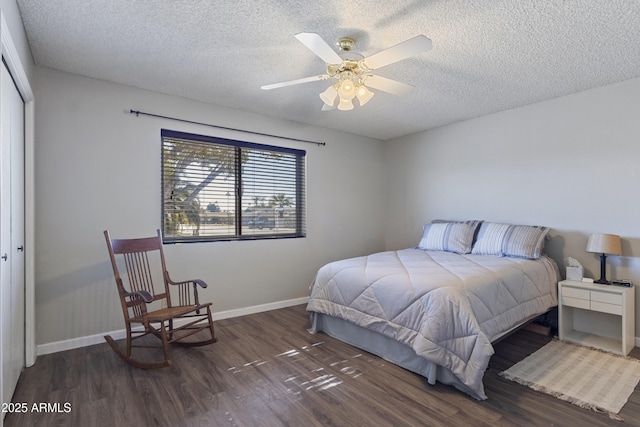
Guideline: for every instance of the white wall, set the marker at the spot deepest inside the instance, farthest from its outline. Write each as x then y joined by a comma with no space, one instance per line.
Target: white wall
571,163
98,167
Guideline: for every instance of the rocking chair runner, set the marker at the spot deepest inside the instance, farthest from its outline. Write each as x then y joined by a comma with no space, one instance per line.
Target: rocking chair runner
189,315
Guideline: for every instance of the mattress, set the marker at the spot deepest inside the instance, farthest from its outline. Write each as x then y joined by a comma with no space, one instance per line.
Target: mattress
445,307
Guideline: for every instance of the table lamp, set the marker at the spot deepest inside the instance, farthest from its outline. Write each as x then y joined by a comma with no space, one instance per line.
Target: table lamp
604,244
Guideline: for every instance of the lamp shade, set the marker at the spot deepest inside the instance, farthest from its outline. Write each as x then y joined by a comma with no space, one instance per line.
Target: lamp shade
329,96
347,89
604,244
345,104
363,94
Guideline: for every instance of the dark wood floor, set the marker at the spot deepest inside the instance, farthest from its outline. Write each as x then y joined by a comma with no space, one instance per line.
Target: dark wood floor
266,370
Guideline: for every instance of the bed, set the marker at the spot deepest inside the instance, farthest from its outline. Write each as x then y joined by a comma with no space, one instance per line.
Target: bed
437,308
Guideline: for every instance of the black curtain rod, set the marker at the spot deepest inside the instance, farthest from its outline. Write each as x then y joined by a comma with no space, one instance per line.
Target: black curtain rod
137,113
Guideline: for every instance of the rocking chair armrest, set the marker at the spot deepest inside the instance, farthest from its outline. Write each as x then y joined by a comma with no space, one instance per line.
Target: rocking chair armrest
202,283
189,284
143,295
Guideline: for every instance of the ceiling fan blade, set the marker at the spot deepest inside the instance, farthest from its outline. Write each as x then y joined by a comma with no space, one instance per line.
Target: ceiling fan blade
387,85
318,46
294,82
414,46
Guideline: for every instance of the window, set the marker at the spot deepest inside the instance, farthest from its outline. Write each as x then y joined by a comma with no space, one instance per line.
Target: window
221,189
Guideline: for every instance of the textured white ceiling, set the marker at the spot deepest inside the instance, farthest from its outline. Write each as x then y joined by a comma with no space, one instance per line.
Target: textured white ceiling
487,56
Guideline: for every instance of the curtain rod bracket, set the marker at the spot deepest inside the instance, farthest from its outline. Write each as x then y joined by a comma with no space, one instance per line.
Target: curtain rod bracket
137,113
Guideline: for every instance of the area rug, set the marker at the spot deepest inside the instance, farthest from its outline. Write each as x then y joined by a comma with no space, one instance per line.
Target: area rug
585,377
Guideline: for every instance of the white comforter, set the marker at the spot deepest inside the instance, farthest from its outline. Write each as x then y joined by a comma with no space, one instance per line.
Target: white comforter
446,307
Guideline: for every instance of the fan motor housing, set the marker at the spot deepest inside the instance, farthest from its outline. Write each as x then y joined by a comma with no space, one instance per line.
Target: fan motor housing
349,65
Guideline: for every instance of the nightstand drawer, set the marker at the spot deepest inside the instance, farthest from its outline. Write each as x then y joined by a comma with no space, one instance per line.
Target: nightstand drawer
576,302
575,293
606,308
606,297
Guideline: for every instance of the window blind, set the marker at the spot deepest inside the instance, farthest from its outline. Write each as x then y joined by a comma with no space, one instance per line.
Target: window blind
221,189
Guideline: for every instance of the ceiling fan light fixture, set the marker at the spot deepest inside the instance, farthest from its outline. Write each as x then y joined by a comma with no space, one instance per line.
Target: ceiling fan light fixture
347,89
352,69
345,104
329,96
364,95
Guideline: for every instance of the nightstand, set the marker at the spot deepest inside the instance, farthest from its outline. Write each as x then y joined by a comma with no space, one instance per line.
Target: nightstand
594,315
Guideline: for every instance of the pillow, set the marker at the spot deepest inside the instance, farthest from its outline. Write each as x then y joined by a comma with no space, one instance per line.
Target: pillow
524,241
521,241
474,223
449,236
490,238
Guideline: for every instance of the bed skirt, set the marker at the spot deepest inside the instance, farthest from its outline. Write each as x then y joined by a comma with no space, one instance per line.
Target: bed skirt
388,349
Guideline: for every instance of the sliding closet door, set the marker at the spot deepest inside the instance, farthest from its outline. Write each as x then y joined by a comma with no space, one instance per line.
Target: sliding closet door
12,266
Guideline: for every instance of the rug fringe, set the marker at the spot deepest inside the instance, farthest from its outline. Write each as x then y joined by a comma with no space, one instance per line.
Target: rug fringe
598,350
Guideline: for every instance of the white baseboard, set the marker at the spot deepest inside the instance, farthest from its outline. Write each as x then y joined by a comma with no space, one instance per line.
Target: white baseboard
70,344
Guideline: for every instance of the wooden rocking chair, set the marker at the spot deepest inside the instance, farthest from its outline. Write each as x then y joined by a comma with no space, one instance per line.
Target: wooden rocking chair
170,322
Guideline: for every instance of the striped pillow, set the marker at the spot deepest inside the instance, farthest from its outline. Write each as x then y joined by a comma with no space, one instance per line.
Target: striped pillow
490,238
521,241
524,241
449,236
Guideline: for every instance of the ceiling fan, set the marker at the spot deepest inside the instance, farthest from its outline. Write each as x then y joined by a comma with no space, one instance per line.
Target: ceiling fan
354,72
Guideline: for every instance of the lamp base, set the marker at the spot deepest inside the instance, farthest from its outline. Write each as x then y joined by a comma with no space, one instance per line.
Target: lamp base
603,270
